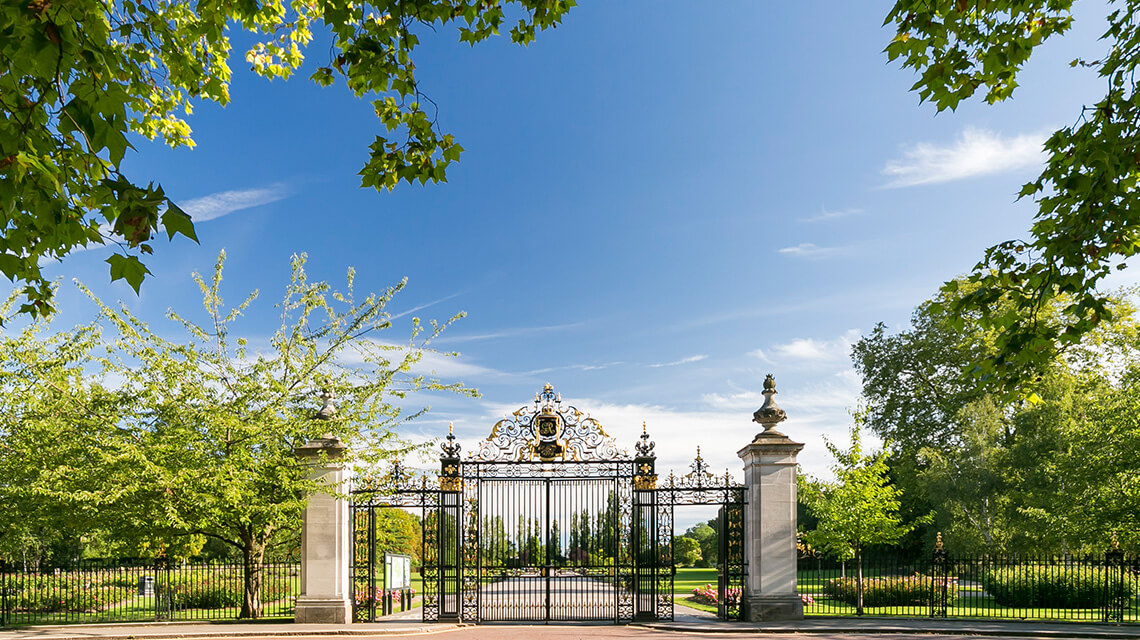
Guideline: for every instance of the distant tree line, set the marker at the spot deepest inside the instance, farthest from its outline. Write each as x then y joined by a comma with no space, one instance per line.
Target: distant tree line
1051,471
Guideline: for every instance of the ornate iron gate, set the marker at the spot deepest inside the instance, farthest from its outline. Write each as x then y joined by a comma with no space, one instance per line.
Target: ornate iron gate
546,521
701,487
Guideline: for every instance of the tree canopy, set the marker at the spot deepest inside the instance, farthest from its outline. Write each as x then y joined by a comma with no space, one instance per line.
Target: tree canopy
1088,207
167,442
83,82
1004,474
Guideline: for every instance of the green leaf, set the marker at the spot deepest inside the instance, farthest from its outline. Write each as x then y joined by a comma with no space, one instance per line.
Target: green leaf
175,220
128,268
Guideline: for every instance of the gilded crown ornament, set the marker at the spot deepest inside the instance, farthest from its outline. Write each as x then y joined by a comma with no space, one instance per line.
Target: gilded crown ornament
451,447
769,414
644,446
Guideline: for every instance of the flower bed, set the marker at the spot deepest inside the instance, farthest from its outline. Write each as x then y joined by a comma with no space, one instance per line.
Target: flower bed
708,595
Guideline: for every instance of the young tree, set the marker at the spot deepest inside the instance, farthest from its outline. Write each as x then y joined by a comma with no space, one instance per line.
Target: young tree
1087,193
49,406
686,551
204,440
706,538
80,77
859,509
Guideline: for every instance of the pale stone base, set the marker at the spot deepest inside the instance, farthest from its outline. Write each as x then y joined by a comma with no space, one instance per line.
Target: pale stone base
767,608
323,610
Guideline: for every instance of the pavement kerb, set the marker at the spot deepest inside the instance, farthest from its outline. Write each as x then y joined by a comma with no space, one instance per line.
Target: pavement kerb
851,627
208,631
1012,629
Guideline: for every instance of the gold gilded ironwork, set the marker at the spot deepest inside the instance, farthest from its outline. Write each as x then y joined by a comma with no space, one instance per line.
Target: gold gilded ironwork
547,431
450,483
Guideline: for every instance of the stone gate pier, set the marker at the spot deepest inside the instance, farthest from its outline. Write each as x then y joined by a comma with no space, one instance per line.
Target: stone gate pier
770,517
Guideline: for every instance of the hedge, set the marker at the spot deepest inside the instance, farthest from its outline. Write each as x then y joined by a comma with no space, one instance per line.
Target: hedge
1061,587
890,592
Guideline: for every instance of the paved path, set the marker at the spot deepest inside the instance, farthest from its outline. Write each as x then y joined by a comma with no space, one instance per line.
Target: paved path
571,598
688,625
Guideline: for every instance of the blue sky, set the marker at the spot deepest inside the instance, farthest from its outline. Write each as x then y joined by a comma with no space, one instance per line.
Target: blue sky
659,203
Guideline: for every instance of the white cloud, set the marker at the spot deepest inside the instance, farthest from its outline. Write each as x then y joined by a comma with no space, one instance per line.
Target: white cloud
688,360
809,250
810,351
825,215
224,203
976,152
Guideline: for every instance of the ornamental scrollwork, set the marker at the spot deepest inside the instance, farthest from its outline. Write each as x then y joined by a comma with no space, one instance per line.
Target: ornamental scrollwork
548,431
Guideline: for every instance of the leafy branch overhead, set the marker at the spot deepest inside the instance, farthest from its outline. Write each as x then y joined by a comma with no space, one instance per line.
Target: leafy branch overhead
77,79
1088,218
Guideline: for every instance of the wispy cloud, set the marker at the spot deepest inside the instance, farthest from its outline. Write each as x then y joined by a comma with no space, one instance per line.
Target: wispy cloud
425,306
510,333
976,152
809,250
688,360
202,209
224,203
810,351
444,365
824,215
573,367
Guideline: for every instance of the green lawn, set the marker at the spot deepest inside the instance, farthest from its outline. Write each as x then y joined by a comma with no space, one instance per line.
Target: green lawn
689,578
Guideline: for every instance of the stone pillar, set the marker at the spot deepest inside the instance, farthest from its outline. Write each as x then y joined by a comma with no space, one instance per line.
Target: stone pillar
770,518
325,538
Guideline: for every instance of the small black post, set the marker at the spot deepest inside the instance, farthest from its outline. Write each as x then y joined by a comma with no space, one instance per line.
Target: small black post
1114,593
940,578
4,610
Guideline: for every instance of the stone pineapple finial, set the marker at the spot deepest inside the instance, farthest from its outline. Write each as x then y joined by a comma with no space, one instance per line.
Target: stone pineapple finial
769,414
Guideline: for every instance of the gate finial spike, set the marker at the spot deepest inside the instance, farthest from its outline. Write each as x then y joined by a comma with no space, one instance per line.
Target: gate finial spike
938,542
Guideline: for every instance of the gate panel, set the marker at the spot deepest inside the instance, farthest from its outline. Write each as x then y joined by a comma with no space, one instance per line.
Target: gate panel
583,537
735,568
646,557
363,570
663,563
511,554
447,525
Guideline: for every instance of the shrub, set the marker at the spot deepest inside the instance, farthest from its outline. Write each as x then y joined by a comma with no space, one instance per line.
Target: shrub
215,591
63,593
708,595
891,591
1051,586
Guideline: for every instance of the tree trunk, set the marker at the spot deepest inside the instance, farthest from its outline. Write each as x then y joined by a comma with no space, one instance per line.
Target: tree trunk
253,556
858,583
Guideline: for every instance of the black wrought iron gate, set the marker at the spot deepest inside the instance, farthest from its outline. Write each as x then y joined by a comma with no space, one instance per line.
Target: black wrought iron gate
701,487
546,521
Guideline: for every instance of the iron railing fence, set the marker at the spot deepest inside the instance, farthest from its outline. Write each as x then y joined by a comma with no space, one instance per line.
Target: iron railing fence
91,591
1099,588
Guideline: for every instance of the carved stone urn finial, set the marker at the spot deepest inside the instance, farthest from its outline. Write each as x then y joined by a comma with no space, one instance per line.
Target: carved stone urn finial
769,414
328,411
